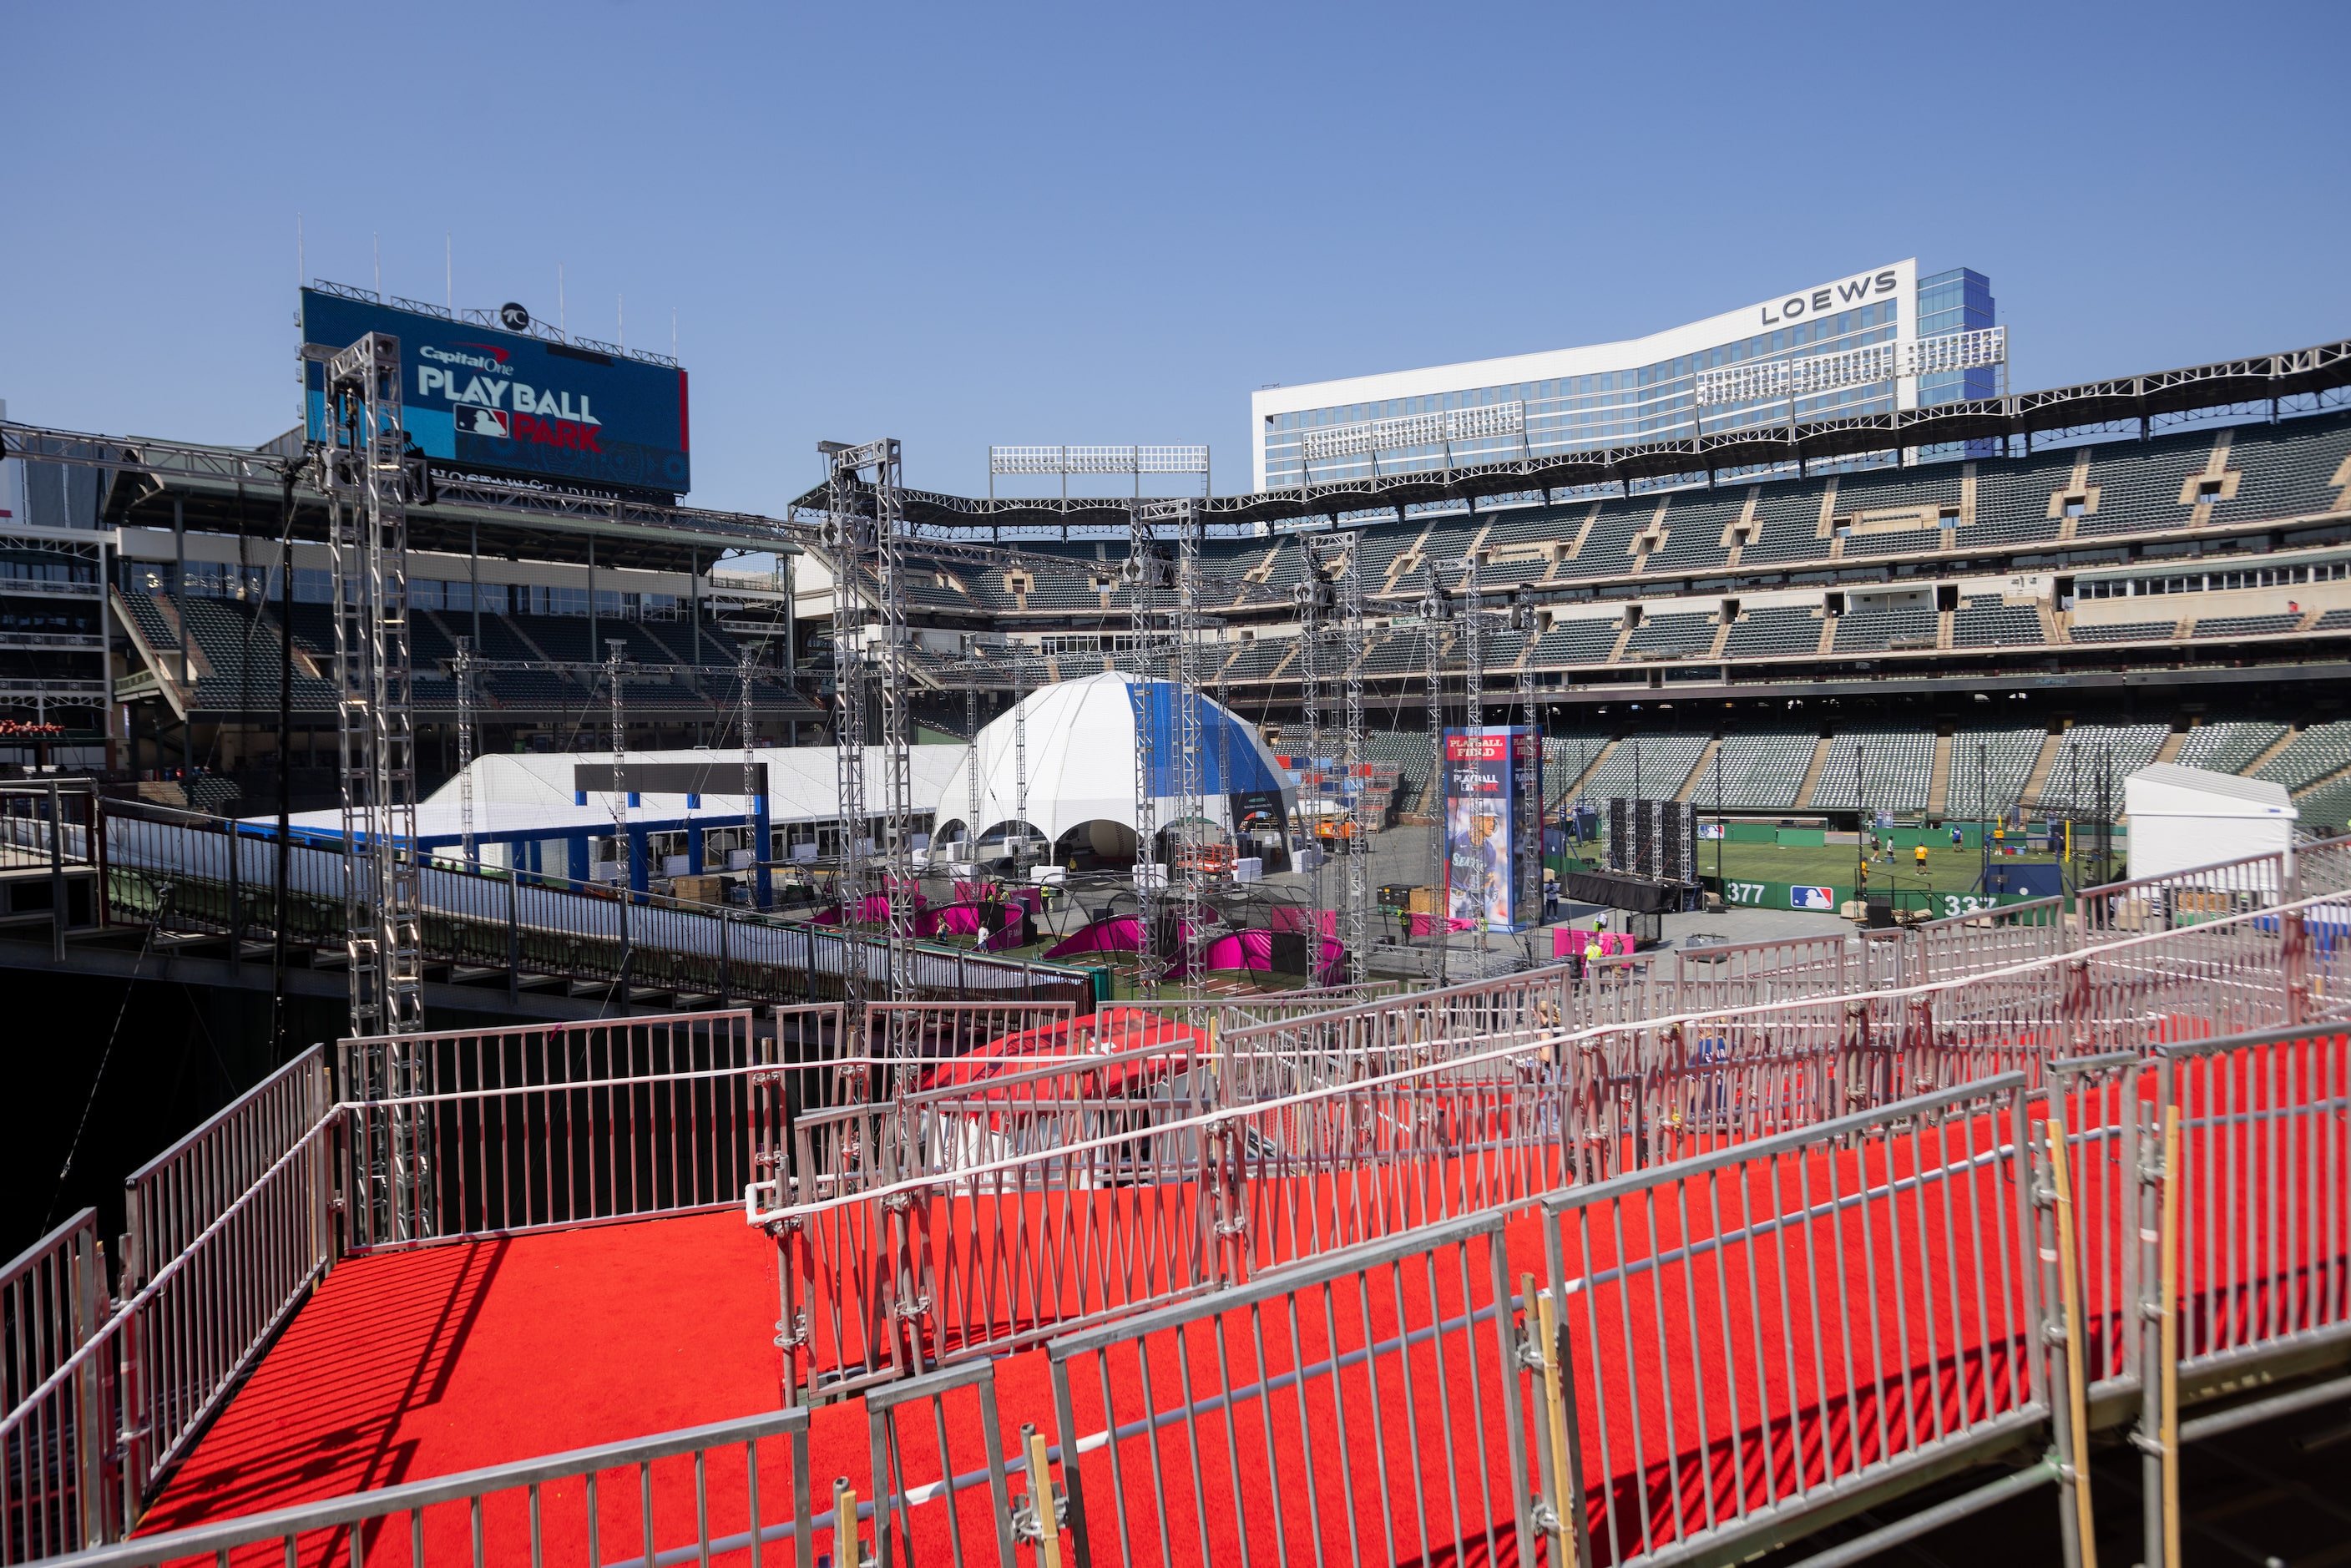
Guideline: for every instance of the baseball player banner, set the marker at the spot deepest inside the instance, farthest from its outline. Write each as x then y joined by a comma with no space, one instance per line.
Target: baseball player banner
1493,826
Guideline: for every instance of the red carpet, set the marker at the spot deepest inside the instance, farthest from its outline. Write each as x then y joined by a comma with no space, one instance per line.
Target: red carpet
405,1365
422,1363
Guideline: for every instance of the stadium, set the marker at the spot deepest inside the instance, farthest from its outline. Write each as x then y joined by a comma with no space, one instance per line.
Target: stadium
1549,984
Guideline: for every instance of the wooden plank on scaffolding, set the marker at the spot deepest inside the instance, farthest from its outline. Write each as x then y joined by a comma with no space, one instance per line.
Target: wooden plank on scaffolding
1040,1494
2069,1285
1564,1493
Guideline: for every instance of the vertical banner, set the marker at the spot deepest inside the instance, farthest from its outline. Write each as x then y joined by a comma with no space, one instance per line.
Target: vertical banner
1492,827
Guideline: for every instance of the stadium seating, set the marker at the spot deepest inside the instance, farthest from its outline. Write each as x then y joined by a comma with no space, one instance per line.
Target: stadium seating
1869,631
1759,771
1584,641
2013,500
2229,746
2288,469
1988,770
1787,520
2311,755
1896,770
2126,632
1680,634
150,622
1983,621
1774,630
1693,528
2325,810
2244,625
1412,756
1568,756
1646,766
2094,754
1257,660
2138,486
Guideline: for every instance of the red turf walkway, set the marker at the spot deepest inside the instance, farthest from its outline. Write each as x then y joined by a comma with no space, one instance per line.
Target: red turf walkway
407,1366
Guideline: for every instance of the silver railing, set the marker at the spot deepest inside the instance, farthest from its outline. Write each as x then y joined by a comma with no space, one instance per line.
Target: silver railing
1171,1181
171,1199
222,882
553,1126
57,1489
738,1486
1004,1200
1421,1399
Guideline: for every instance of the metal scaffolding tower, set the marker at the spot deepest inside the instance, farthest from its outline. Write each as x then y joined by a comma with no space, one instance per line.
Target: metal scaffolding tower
461,670
1436,610
863,525
1473,643
971,774
1187,842
1148,572
363,473
1312,595
1524,620
365,478
755,805
1019,751
1334,564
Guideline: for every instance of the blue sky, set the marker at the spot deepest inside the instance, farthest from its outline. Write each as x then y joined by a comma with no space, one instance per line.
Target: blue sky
968,225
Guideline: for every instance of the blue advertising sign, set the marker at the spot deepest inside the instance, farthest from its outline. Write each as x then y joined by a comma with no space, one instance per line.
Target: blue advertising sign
477,398
1493,826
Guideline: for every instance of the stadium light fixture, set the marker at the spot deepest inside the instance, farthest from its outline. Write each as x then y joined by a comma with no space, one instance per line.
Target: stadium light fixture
1068,460
1809,375
1445,428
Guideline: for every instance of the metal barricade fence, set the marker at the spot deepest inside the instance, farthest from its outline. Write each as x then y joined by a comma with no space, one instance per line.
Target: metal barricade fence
2263,1196
130,1396
170,1200
557,1125
2105,1106
26,812
2183,898
2250,1206
1418,1132
1993,939
1366,1407
1336,1047
733,1487
225,1233
1753,1336
526,923
1740,973
1403,1402
1011,1196
942,1030
58,1489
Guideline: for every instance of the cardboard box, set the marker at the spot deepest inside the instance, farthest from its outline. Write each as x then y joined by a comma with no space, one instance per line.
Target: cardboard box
702,889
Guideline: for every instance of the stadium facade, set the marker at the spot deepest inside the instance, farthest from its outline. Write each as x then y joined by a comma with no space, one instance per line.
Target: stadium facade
1858,332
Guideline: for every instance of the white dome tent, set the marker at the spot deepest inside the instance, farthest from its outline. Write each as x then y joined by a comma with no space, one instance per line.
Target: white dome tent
1081,769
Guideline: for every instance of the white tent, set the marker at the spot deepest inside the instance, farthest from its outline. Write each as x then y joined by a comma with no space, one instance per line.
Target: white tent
2186,817
1081,756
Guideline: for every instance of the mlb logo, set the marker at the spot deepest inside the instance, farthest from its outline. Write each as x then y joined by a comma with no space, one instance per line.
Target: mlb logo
1812,898
491,422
